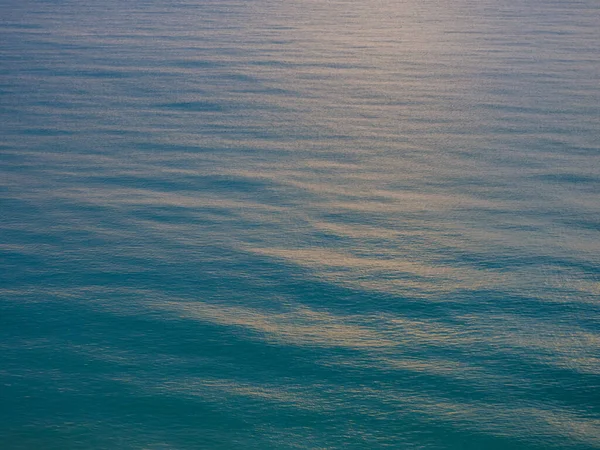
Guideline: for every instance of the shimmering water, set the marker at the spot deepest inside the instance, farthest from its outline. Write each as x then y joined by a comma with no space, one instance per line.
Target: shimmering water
231,224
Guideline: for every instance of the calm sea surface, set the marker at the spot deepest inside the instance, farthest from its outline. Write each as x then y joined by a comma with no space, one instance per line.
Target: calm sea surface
277,224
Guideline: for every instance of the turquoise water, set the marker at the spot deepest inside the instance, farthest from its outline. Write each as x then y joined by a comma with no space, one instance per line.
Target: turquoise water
300,224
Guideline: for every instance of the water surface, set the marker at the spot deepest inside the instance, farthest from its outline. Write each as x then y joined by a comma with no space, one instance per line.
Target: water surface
300,224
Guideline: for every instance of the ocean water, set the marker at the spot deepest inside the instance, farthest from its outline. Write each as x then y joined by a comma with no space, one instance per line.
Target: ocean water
260,224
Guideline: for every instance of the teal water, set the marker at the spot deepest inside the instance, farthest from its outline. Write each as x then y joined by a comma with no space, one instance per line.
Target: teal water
300,224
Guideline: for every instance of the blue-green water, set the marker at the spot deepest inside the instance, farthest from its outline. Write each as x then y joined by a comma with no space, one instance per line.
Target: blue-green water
300,224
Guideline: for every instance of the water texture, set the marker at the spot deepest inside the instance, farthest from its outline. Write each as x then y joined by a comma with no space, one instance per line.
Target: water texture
300,224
